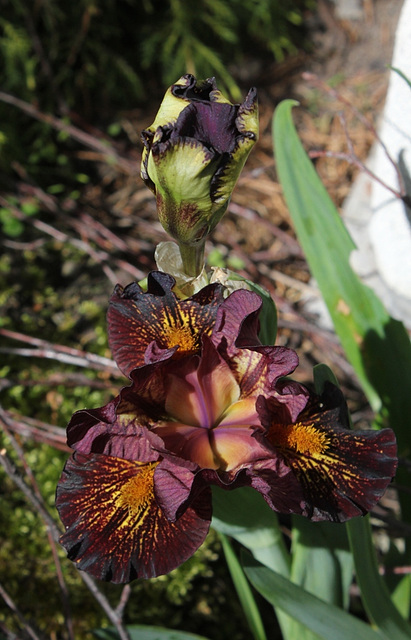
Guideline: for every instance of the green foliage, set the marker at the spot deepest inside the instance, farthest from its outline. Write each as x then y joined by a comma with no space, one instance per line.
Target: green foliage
141,632
244,591
325,620
94,57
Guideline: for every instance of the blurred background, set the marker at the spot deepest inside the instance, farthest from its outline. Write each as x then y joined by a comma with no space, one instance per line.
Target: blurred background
78,83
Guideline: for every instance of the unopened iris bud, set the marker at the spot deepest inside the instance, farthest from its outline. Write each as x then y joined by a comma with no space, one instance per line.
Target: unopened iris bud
193,154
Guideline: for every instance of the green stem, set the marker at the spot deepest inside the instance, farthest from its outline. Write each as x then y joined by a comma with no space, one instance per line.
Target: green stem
192,256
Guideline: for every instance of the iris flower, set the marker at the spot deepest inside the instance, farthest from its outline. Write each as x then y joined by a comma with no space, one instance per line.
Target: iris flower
207,404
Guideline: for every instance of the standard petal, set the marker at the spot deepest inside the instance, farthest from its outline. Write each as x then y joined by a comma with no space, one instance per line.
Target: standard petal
151,326
212,123
115,529
190,443
342,473
235,447
200,390
237,320
235,334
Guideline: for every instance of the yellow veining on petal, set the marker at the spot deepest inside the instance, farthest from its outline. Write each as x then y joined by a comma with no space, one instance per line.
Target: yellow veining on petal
137,494
182,329
298,437
181,337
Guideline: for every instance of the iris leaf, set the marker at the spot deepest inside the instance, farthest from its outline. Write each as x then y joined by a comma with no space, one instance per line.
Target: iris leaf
322,618
143,632
245,516
244,591
375,595
377,346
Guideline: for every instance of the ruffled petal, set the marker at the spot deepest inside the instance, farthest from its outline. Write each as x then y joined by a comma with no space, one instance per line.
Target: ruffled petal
200,390
236,323
146,327
115,528
342,473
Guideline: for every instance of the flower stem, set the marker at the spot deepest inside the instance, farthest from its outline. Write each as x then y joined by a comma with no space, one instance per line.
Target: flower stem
192,256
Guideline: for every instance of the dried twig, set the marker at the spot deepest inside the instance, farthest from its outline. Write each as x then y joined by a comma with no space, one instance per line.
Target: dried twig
51,538
61,353
351,157
99,256
24,623
36,430
101,144
37,502
249,214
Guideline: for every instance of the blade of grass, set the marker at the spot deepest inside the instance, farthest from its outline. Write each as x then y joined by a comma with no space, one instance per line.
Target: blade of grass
322,618
245,516
244,591
374,592
375,595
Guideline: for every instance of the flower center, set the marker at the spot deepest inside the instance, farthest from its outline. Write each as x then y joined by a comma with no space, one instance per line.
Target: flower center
137,493
181,336
299,437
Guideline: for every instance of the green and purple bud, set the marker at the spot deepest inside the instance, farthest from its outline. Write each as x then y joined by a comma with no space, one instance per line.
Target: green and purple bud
193,155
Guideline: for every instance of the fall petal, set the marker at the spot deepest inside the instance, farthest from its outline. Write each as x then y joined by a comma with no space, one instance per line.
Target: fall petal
278,485
145,327
342,473
115,529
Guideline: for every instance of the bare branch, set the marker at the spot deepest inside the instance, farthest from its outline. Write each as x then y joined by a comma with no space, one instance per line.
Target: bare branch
317,82
125,594
38,503
39,432
101,144
60,352
24,623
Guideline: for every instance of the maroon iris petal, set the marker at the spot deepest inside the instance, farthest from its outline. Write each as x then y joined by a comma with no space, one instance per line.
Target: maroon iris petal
145,327
211,123
115,529
342,473
237,320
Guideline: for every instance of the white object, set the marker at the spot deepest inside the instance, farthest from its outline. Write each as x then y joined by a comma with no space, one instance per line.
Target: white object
390,225
379,222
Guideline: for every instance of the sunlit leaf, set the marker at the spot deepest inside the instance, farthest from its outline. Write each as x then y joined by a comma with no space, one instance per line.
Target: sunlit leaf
244,591
244,515
377,346
322,618
374,592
